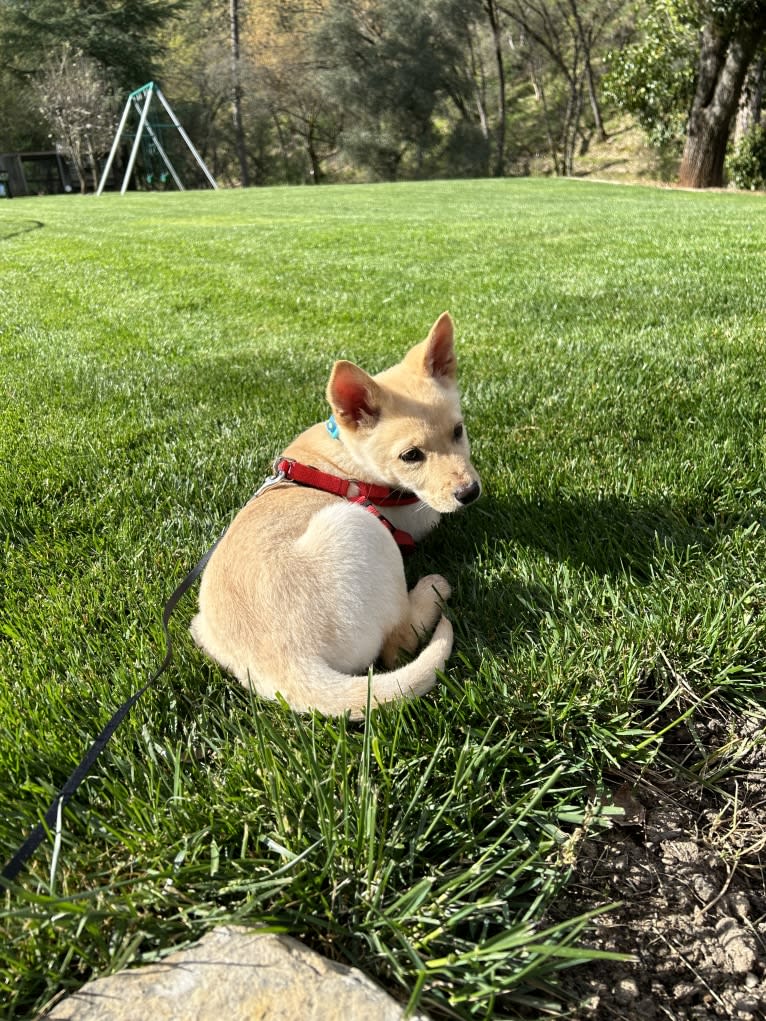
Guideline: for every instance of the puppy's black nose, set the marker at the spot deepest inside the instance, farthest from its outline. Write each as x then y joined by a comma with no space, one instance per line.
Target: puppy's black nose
467,494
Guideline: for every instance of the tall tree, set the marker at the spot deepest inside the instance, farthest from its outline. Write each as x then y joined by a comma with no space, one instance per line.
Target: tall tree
389,64
652,74
121,36
287,80
586,32
566,34
493,16
732,31
236,93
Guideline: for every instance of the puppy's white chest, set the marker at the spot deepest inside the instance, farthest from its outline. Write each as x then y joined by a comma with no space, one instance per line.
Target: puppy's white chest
416,518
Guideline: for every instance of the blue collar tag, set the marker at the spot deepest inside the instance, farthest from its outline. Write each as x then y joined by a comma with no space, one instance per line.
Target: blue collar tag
332,427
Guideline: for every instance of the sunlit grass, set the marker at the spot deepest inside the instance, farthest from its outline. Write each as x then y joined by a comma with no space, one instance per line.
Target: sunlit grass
158,351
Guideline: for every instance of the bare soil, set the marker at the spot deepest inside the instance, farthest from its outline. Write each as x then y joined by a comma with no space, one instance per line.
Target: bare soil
625,157
685,860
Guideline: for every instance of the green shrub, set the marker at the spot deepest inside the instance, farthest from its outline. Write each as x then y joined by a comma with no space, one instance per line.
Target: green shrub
747,164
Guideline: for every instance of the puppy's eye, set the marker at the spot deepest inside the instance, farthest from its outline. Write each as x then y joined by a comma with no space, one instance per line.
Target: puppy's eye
457,432
412,456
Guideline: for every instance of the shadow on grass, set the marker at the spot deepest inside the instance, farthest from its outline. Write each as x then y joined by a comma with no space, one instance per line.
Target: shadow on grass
15,226
609,534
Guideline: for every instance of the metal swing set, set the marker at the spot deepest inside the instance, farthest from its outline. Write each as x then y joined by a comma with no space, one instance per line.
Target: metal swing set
139,102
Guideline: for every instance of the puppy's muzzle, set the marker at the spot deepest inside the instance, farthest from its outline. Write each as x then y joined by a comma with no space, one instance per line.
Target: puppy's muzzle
467,494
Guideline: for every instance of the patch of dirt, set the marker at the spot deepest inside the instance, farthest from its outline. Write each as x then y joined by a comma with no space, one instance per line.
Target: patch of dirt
685,860
624,157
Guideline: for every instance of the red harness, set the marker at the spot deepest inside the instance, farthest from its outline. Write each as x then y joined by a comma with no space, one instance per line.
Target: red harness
363,493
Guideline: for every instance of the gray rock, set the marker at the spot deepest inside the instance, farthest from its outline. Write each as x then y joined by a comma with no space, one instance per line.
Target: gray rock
740,952
705,887
626,991
234,974
739,904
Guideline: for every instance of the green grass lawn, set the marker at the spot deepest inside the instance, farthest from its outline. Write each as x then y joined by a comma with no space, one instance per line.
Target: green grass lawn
157,351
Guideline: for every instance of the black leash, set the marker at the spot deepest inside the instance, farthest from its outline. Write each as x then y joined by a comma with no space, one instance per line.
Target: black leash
55,810
36,837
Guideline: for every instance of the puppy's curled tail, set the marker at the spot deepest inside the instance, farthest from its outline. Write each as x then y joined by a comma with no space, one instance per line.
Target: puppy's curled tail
333,693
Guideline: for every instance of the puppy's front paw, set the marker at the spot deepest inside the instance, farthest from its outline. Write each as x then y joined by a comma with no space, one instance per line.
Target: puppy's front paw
436,583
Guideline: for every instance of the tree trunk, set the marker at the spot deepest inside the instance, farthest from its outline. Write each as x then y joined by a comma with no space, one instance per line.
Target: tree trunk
316,166
724,60
537,84
595,106
93,164
72,147
749,112
585,42
282,145
491,9
239,131
480,93
571,125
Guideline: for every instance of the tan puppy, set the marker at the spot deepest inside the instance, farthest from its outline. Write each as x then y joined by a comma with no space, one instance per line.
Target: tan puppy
306,589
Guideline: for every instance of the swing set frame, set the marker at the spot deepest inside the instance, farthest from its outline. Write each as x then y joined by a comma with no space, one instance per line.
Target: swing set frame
134,103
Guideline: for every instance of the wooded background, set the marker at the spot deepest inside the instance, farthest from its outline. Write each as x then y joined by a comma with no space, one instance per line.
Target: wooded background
297,91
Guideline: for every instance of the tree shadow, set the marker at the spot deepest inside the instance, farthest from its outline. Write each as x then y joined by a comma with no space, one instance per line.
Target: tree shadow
609,534
606,165
15,226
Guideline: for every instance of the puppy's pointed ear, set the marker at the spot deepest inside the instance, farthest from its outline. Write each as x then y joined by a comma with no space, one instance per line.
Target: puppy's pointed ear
438,350
354,397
